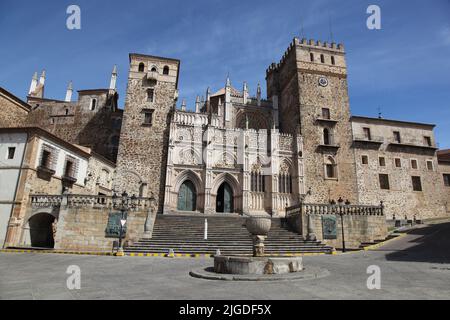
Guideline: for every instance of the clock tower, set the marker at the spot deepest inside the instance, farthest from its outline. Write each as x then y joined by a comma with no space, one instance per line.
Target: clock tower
311,84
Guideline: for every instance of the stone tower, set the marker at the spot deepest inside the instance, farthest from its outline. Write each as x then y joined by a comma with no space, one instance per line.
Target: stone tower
311,84
151,98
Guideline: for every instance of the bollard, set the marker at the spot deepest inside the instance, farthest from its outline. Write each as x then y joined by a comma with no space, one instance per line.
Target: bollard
171,254
206,230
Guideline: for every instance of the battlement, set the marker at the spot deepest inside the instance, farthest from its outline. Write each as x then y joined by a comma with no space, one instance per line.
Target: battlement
309,45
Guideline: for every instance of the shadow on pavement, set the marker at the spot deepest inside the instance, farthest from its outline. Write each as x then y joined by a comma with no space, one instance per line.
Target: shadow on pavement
428,244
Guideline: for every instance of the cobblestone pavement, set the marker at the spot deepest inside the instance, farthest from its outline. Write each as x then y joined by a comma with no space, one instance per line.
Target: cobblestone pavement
414,267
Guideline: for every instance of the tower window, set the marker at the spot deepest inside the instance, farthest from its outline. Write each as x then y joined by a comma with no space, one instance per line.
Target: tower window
326,113
382,161
322,58
333,62
93,105
398,162
141,67
311,56
430,165
154,69
330,169
68,172
417,184
364,159
151,95
367,134
11,153
148,117
397,137
414,164
326,137
384,181
427,141
166,70
447,180
46,159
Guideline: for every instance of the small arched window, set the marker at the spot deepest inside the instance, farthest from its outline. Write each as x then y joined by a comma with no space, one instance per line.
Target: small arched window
322,58
154,69
141,67
311,56
333,61
93,104
330,168
166,70
326,137
67,112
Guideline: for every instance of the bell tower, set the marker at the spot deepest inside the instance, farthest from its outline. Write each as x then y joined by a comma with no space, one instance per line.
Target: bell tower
311,83
152,94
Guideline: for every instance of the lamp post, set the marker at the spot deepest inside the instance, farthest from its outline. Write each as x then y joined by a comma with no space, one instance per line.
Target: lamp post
126,203
341,213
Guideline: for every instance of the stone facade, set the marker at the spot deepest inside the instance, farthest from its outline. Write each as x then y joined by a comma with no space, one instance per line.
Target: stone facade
13,111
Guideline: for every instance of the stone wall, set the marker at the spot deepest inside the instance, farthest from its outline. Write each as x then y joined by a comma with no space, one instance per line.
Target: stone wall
13,112
444,168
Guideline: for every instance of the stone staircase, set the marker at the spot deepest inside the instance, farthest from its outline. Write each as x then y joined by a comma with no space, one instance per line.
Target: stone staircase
185,235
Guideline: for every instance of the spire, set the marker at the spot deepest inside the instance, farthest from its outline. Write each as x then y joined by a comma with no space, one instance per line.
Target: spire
183,105
34,82
69,92
228,81
113,83
245,92
258,94
208,94
246,121
197,105
42,79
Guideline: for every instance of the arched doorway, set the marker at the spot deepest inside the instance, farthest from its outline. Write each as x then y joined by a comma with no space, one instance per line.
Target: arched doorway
41,230
224,199
187,197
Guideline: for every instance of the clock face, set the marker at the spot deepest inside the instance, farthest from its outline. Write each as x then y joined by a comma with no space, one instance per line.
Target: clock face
323,82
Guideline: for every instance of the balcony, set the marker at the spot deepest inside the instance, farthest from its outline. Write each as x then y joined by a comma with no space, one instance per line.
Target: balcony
329,147
328,121
362,140
397,144
152,76
68,180
45,173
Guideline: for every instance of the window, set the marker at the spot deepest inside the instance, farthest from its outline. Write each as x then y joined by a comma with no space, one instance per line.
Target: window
447,180
326,113
93,105
311,56
68,171
365,160
367,133
417,184
430,165
333,62
427,141
257,182
285,183
382,161
141,67
166,70
330,169
322,58
11,153
398,162
397,137
148,117
151,95
154,69
45,159
384,181
414,164
326,137
67,112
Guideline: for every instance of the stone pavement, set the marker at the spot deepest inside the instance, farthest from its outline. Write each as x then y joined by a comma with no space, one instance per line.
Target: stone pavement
414,267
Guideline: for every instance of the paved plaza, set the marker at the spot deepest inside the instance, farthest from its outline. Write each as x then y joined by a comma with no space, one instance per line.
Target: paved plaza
416,266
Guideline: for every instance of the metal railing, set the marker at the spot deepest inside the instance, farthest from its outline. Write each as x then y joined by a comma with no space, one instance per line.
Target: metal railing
335,209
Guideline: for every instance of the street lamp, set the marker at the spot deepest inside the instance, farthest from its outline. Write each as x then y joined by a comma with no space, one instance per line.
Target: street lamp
126,203
341,213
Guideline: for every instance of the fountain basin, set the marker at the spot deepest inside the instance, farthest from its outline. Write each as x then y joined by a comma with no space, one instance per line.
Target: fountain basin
257,265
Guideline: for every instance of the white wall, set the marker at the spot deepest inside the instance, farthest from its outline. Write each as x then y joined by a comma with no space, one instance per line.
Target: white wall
9,175
61,161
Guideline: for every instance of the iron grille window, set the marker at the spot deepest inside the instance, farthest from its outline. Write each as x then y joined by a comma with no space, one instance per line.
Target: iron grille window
11,153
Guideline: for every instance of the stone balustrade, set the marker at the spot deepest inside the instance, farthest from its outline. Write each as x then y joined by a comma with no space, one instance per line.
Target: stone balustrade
85,201
335,209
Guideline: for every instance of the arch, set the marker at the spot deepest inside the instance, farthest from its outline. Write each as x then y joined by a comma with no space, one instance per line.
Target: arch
188,175
256,121
141,67
42,230
330,168
166,70
187,197
225,199
225,177
154,69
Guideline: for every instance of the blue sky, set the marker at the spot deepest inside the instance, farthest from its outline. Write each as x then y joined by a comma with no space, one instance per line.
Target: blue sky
404,69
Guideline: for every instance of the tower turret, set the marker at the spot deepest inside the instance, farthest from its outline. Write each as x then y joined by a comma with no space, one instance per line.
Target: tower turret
69,92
